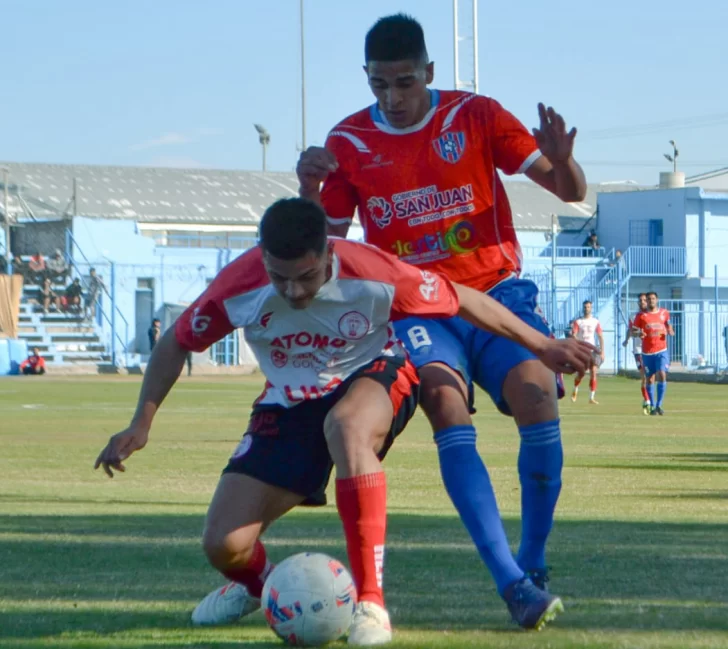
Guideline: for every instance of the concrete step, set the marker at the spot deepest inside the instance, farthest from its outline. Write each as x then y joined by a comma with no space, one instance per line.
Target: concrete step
71,336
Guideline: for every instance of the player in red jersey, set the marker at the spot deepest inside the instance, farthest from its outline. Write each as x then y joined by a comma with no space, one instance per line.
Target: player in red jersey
654,325
635,335
318,315
421,167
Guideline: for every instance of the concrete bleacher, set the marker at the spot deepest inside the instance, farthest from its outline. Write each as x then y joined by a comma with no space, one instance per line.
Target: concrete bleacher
63,338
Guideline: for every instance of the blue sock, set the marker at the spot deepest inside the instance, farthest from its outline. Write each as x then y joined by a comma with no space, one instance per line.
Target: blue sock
651,392
468,485
661,389
539,466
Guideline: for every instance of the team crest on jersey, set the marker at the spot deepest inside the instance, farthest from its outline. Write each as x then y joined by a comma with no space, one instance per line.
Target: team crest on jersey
353,325
380,211
450,147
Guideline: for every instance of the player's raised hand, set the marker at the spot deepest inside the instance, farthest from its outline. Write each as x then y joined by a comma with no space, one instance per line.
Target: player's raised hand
120,447
551,136
314,165
568,356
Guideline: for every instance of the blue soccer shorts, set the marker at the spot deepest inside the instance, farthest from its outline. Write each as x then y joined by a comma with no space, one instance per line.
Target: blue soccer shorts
655,363
480,357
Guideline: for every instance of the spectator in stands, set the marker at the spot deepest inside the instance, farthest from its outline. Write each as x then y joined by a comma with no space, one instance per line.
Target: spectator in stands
591,244
21,268
95,286
34,364
37,266
49,297
154,333
57,268
74,291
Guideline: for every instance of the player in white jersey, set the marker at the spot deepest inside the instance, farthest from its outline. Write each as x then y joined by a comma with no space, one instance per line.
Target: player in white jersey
589,330
317,314
635,335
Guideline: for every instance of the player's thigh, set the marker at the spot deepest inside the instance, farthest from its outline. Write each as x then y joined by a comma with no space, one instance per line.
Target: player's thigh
517,382
379,400
438,349
241,509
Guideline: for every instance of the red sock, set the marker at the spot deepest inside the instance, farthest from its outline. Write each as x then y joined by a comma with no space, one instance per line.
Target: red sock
362,505
577,381
645,396
253,575
593,384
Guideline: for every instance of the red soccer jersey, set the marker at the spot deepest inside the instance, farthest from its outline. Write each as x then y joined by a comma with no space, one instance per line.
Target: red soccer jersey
654,326
307,353
431,193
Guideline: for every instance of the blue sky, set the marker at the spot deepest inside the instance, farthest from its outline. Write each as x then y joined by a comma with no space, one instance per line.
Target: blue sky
180,83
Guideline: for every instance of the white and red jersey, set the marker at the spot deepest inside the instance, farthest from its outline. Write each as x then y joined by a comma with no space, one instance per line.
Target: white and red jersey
654,325
636,340
431,193
587,329
307,353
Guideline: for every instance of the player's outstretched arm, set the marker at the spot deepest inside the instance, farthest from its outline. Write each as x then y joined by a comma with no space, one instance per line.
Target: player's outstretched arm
164,368
568,356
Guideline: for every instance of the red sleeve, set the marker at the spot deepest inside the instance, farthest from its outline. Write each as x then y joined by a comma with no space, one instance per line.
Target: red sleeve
638,321
513,147
206,321
338,195
599,328
574,328
423,293
667,316
203,323
25,364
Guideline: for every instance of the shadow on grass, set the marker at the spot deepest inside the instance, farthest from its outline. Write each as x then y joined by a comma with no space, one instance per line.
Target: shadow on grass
147,572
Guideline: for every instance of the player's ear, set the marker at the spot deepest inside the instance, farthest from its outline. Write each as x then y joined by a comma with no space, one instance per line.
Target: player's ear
430,72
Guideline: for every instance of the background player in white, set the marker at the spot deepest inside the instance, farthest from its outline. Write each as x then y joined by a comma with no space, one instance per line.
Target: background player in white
635,335
317,314
589,329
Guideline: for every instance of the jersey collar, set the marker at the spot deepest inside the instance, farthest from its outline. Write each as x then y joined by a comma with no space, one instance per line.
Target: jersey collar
380,121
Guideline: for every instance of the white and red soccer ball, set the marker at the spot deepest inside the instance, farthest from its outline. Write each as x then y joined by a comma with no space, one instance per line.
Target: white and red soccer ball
309,599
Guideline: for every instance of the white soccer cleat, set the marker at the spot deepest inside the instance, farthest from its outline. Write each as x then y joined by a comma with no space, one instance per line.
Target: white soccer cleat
370,625
225,605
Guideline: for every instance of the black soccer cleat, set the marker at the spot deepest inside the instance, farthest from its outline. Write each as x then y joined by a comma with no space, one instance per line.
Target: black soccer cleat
531,607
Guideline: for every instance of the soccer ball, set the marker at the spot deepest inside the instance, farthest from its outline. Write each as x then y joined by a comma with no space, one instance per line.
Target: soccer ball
309,599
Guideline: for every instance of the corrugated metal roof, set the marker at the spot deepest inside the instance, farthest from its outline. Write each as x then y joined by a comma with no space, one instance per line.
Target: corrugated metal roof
212,196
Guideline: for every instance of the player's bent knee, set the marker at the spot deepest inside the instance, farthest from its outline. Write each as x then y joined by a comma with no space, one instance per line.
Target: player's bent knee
443,397
223,547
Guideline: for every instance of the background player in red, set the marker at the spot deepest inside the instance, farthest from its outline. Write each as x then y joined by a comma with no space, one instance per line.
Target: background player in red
329,303
421,167
635,335
589,329
654,325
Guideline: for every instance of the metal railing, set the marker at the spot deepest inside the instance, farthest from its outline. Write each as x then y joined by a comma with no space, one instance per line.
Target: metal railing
563,252
203,240
656,261
109,319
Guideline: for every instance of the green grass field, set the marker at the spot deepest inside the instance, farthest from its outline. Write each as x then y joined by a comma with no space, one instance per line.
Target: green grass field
639,552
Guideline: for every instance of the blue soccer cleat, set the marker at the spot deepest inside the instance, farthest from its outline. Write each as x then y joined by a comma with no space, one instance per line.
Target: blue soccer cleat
539,577
531,607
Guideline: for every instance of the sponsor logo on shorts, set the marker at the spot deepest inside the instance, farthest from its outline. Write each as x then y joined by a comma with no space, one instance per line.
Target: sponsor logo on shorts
244,446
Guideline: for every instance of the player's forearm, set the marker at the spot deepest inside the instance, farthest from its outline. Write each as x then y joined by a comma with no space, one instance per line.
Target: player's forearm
314,195
570,181
488,314
163,370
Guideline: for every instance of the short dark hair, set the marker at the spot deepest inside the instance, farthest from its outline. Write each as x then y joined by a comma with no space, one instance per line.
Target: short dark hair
642,295
585,302
653,293
291,227
395,38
